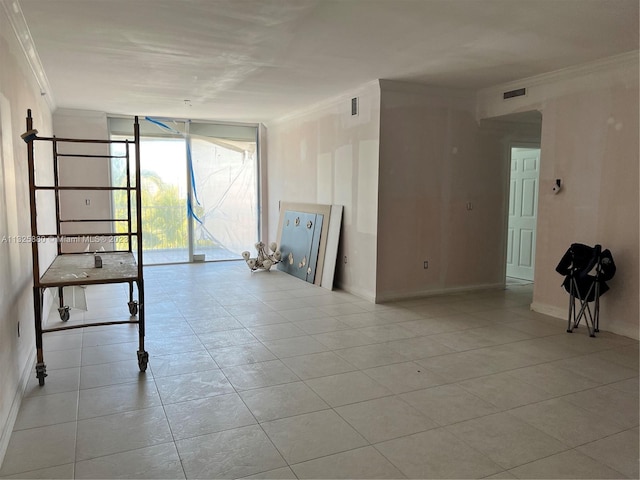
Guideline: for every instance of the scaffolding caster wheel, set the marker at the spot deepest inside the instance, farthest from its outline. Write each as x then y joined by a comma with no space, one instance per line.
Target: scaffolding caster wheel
143,360
64,313
133,308
41,372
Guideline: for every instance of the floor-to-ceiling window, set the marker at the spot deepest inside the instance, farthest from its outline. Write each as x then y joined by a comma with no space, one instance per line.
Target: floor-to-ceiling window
199,188
224,165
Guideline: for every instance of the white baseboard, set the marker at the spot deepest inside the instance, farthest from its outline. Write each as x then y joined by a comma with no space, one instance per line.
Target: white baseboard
630,331
394,297
7,429
15,405
549,310
354,291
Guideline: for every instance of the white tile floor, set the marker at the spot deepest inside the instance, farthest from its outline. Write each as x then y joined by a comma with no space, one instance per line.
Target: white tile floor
261,375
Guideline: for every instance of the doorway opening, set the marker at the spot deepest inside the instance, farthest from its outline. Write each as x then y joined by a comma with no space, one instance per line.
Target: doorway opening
516,138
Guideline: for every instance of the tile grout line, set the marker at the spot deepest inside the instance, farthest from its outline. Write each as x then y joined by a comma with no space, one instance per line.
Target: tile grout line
362,370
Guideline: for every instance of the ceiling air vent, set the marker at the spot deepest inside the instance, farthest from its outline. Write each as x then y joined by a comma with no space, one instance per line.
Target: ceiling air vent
514,93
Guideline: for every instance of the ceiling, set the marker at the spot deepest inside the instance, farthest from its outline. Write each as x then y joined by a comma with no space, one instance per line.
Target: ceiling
256,60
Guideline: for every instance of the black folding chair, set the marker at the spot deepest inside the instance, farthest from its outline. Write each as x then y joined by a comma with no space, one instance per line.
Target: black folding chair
586,270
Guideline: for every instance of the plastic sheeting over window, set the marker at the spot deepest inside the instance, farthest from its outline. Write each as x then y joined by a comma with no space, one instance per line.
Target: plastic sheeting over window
225,181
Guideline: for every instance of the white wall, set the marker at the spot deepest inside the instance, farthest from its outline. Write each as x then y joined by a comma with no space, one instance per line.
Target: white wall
590,141
93,172
431,166
325,155
18,92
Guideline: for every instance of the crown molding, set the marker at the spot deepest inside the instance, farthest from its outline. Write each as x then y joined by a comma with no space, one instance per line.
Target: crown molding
622,60
343,98
23,35
617,70
404,86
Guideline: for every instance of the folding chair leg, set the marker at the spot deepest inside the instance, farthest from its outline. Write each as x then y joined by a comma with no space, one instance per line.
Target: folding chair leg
572,313
585,310
596,309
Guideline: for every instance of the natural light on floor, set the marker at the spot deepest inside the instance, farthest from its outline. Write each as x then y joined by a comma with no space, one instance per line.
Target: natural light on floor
264,374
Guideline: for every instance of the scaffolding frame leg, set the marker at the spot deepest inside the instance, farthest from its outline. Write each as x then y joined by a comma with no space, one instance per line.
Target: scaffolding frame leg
143,355
133,305
41,367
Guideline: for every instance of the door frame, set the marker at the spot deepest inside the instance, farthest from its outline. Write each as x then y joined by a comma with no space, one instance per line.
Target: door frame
509,146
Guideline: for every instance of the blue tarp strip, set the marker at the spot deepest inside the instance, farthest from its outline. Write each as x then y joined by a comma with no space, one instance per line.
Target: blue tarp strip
190,163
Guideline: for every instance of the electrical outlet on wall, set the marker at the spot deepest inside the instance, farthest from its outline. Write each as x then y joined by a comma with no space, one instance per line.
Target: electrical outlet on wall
426,264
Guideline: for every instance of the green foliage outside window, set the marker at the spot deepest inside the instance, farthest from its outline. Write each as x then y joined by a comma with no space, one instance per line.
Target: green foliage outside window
164,219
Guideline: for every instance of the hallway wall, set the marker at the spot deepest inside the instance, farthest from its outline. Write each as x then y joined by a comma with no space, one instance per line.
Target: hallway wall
590,141
18,92
433,165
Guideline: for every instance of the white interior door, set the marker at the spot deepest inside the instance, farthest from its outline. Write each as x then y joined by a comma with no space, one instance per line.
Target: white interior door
523,210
